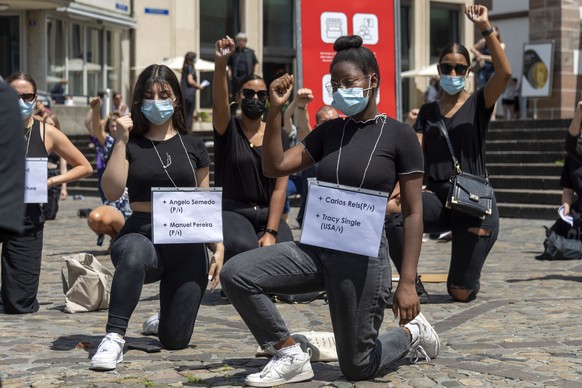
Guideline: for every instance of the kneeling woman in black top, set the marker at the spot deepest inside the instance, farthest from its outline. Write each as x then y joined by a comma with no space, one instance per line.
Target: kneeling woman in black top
466,118
152,149
367,150
252,203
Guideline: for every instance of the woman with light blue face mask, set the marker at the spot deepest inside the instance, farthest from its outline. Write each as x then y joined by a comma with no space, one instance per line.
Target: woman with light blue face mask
466,119
365,151
21,254
153,149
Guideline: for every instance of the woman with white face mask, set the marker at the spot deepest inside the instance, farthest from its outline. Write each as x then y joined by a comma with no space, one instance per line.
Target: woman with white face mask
21,254
365,151
466,118
153,149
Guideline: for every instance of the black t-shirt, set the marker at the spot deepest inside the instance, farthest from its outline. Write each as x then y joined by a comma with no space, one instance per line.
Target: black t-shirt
242,63
572,176
188,92
145,168
467,129
239,167
397,152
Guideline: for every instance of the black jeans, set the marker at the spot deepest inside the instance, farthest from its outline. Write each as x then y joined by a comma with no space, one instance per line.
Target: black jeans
182,270
21,262
468,251
244,224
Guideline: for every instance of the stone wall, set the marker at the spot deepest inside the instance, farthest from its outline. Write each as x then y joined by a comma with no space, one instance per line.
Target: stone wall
558,20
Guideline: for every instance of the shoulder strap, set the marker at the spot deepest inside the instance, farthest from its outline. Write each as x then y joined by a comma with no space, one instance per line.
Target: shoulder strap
445,133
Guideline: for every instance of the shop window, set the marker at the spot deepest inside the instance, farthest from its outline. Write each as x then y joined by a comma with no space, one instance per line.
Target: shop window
56,51
218,18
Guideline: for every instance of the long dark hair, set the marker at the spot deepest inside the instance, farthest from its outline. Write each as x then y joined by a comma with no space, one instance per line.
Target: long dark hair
350,49
455,48
23,76
189,59
164,77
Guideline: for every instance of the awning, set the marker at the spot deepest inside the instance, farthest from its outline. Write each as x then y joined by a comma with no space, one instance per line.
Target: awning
81,10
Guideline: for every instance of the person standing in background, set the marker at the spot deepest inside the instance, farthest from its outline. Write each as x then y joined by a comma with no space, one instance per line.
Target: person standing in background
57,165
21,254
58,92
118,105
189,85
242,63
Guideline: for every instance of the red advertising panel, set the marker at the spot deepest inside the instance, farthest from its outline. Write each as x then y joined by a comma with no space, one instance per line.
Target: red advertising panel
323,21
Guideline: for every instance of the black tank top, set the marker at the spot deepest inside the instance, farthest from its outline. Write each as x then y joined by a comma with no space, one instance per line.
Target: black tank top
35,147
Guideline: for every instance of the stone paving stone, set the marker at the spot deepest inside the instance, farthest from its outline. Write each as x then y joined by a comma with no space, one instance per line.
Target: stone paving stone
522,330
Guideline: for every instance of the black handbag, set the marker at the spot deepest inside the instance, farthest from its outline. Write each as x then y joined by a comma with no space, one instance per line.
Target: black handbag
469,194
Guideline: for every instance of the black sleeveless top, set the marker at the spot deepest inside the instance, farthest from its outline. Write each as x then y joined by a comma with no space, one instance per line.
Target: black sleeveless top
35,147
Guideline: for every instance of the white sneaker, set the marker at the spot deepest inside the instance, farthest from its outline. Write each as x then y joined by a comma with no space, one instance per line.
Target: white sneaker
151,325
428,344
109,353
282,370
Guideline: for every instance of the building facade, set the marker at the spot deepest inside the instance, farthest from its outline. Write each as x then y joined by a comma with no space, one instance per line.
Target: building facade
98,44
85,42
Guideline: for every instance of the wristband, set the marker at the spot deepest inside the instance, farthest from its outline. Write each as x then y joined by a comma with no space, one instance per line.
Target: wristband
272,232
487,32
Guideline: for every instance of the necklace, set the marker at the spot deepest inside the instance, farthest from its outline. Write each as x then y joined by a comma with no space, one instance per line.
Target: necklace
169,162
27,133
378,117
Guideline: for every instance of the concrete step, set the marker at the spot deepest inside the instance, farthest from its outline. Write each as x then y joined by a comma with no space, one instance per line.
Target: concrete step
529,211
525,157
526,145
540,182
527,134
543,197
496,169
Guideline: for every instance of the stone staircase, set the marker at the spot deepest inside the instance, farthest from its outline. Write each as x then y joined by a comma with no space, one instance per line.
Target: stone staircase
524,161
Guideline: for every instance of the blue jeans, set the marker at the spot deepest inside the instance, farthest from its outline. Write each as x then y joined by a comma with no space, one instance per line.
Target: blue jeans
357,289
294,185
182,270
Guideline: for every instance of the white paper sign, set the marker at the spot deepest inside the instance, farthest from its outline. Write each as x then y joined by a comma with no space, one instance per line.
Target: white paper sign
344,218
186,215
35,180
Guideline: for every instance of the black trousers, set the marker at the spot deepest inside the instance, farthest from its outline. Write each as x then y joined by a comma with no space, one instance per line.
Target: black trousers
468,251
21,261
244,224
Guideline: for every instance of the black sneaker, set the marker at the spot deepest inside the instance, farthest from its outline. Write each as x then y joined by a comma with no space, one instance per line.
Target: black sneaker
421,292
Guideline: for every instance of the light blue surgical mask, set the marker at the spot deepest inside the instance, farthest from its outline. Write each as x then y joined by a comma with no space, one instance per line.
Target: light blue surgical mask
25,108
452,84
350,101
157,111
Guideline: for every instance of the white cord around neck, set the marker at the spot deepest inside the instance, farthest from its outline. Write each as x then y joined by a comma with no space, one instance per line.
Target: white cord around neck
371,154
165,166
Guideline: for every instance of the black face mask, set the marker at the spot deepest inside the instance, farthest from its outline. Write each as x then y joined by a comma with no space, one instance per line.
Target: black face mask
253,108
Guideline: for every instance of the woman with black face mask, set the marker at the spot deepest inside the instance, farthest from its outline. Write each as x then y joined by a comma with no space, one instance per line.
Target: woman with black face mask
252,203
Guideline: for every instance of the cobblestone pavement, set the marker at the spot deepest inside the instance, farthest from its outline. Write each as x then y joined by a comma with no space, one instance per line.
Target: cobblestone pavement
522,331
